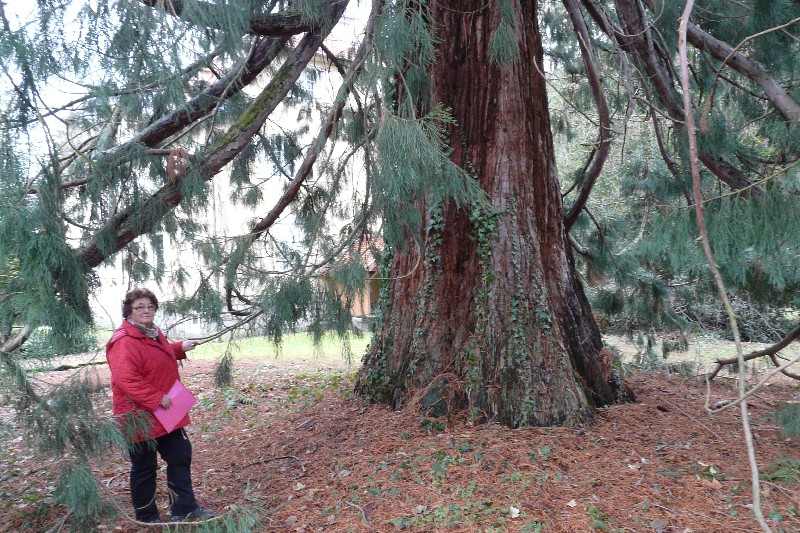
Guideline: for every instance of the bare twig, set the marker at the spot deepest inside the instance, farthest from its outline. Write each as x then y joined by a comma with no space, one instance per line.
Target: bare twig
361,509
693,158
60,525
249,318
265,461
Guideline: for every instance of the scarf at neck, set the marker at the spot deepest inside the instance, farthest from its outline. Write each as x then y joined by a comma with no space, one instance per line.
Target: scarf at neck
149,331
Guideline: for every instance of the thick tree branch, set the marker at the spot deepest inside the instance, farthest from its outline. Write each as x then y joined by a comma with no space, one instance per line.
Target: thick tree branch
142,87
770,351
604,141
578,247
130,223
635,38
746,66
730,175
205,102
270,25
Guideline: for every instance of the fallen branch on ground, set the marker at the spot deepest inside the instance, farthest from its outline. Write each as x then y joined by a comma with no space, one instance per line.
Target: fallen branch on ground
770,351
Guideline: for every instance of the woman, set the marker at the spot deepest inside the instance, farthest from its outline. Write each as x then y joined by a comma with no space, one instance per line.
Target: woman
144,366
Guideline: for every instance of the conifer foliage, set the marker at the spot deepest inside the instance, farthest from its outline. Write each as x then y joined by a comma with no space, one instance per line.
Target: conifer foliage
516,160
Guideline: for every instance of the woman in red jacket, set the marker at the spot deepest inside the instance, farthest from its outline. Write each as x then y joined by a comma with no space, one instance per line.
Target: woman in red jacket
144,366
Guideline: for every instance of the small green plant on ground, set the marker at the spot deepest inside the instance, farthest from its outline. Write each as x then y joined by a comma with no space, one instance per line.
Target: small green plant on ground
532,527
470,513
432,426
542,454
308,389
783,470
234,398
787,416
599,518
706,471
669,473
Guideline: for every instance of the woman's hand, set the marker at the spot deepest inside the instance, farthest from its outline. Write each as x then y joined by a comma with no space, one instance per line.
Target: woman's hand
188,345
166,401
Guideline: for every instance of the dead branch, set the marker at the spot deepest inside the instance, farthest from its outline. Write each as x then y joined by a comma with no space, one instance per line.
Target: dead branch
783,370
769,351
61,368
265,461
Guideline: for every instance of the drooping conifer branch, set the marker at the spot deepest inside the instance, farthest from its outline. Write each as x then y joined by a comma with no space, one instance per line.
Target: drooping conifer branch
141,87
130,223
264,52
636,38
249,122
202,104
12,366
291,191
637,33
712,265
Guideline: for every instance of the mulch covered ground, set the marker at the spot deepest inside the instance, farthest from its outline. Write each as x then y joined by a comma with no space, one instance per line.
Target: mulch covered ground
291,444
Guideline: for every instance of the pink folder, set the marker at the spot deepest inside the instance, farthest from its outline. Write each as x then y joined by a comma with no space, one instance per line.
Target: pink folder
182,401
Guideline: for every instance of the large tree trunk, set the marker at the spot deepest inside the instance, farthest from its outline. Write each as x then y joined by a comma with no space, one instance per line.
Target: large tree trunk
495,304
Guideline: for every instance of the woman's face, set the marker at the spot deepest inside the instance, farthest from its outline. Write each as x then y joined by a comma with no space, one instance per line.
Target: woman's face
143,311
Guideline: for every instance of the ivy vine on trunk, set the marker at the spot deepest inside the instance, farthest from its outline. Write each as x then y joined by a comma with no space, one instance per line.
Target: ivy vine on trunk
493,315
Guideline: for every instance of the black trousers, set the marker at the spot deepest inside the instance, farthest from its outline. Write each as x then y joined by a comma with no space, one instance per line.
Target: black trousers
176,450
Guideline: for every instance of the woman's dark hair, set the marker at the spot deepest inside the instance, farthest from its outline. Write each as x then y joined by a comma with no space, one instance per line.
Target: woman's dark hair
133,295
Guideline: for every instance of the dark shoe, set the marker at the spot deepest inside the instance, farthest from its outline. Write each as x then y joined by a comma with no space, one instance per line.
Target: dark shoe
153,520
201,513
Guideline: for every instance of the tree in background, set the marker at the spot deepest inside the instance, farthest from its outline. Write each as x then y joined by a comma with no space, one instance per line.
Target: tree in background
446,104
645,274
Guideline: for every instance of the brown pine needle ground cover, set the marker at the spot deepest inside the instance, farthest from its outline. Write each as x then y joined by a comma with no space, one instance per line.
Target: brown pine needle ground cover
292,445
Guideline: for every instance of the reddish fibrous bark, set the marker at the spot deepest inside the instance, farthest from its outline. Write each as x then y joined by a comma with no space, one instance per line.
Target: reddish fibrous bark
511,327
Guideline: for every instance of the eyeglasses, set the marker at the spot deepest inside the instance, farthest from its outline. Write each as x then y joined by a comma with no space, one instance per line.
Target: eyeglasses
145,307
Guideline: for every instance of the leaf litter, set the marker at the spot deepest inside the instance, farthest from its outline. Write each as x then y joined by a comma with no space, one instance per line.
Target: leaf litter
295,446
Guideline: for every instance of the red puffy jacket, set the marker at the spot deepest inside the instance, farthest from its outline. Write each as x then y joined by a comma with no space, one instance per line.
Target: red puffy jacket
142,371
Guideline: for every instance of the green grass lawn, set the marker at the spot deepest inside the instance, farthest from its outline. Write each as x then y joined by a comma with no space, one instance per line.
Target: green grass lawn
332,352
702,350
295,347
